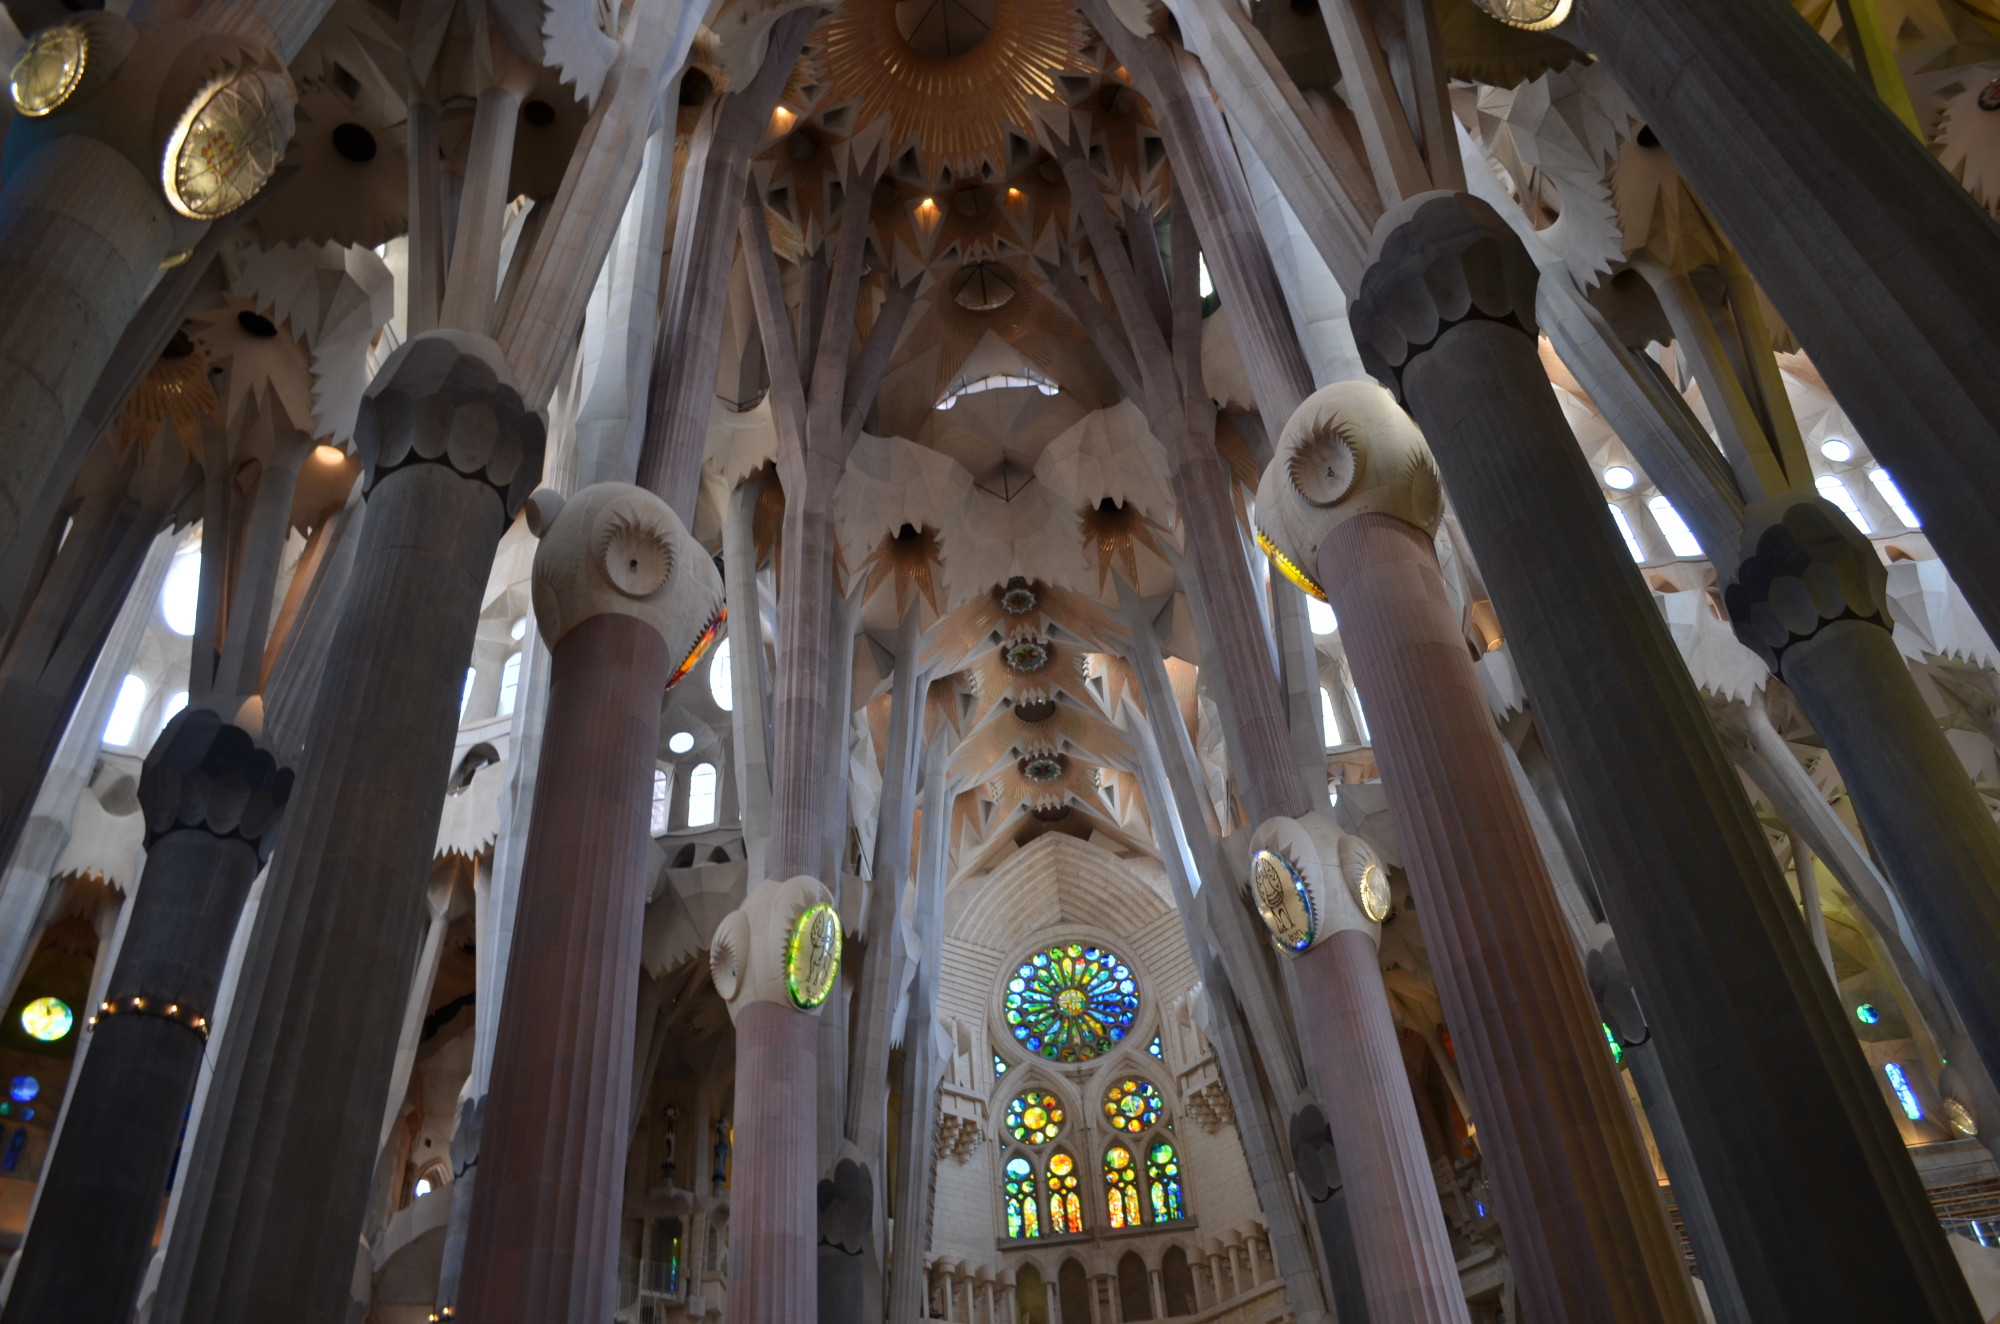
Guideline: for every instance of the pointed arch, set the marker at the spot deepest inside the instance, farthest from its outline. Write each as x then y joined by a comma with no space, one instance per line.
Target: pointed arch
1121,1187
1022,1192
1163,1180
1065,1194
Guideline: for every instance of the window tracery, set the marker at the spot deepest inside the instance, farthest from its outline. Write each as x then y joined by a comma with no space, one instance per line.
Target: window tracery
1072,1002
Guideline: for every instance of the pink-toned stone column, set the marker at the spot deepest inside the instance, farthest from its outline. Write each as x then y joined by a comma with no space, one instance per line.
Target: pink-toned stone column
1304,873
1352,488
774,961
621,593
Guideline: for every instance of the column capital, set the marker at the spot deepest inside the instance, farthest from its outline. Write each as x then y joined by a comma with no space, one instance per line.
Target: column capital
1348,450
448,397
1438,259
1805,566
211,773
617,550
1310,880
782,945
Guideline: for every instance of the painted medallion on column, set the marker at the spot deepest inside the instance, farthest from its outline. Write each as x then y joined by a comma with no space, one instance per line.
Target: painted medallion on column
812,956
1533,15
1283,901
226,145
1371,890
49,69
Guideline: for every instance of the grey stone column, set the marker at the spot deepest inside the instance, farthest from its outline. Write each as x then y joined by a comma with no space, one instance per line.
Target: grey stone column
286,1154
1824,1216
1884,266
212,797
621,594
1810,598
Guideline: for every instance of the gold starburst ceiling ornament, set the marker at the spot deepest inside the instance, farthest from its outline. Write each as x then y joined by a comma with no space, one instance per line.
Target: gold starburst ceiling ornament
955,108
911,560
1116,533
174,394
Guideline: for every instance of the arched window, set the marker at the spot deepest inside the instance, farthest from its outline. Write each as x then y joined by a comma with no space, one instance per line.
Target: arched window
1625,531
172,707
1319,615
1329,719
721,686
1680,538
180,596
1065,1202
1886,488
1163,1175
701,795
663,799
15,1144
123,724
465,695
1177,1283
1836,491
1023,1200
510,683
1121,1187
1135,1296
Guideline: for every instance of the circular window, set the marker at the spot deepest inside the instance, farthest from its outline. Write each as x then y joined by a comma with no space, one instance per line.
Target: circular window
1071,1003
23,1089
1133,1105
1034,1118
47,1019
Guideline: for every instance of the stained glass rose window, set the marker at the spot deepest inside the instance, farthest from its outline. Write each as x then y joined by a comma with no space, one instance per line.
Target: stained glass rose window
1072,1002
1132,1105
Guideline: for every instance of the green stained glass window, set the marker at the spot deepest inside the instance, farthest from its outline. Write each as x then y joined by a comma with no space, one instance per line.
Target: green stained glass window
1133,1105
1035,1117
1072,1002
1121,1187
1024,1217
1065,1202
1163,1175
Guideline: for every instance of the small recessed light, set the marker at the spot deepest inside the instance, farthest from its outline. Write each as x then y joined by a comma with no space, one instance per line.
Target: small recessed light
680,742
329,454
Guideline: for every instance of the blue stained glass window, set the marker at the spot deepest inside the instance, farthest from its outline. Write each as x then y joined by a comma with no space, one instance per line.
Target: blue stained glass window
1899,1081
999,1066
1024,1216
23,1089
1154,1048
1868,1013
1072,1002
15,1144
1617,1049
1163,1175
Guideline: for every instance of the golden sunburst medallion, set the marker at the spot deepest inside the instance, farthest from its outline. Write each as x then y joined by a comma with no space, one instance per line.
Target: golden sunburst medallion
950,75
226,144
49,69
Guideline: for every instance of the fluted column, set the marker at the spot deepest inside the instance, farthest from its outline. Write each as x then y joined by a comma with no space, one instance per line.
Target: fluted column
284,1158
1353,482
1810,1186
621,594
212,797
1811,598
1311,883
85,222
1880,261
775,960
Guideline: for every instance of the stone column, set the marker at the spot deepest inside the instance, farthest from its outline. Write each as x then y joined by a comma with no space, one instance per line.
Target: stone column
85,224
212,797
1885,267
283,1164
622,592
1779,1110
1353,489
774,961
1310,882
1811,598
